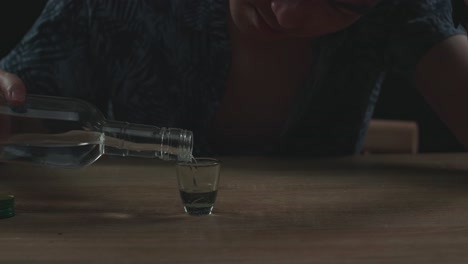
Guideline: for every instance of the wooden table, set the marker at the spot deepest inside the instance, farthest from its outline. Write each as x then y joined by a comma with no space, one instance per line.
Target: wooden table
369,209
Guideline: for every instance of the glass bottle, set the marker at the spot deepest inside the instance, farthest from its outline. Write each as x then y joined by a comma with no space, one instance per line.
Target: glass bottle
68,132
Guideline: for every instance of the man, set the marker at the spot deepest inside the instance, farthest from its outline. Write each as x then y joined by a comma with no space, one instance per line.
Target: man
247,76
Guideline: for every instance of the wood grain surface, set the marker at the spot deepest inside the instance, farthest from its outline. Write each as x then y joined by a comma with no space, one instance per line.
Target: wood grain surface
368,209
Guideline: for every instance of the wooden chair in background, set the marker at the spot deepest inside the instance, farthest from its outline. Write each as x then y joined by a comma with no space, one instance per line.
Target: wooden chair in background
392,137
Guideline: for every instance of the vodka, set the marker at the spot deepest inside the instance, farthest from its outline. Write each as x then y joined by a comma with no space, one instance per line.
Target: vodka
198,202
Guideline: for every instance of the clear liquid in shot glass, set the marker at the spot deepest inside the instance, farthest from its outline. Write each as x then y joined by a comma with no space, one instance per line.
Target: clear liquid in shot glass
198,202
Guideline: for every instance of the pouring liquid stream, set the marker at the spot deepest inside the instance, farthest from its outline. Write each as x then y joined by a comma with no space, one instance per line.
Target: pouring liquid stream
194,169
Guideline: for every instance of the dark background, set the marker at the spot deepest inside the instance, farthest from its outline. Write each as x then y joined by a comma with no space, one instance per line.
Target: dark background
398,100
16,17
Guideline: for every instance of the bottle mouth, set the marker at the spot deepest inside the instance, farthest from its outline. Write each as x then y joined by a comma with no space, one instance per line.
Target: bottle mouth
177,144
186,146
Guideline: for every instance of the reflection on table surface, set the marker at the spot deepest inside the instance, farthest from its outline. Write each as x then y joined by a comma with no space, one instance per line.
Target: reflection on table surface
368,209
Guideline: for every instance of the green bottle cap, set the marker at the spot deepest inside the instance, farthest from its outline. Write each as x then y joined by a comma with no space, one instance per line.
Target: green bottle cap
7,206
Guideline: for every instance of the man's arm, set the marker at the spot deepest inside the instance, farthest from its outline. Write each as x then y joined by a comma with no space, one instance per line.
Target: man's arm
442,78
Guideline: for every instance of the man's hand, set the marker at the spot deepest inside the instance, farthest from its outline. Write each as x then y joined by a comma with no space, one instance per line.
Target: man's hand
12,89
13,93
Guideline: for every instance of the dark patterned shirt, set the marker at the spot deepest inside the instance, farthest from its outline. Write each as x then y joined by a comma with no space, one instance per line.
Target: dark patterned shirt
166,62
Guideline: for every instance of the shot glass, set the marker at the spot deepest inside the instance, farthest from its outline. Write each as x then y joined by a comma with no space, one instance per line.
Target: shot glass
198,184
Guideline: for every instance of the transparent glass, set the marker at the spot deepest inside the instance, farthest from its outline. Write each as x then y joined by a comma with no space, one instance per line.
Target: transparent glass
198,184
67,132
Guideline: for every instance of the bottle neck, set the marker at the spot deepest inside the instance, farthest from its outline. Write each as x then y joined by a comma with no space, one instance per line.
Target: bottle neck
126,139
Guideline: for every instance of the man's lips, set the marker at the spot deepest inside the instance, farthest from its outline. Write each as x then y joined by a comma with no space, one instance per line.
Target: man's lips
359,9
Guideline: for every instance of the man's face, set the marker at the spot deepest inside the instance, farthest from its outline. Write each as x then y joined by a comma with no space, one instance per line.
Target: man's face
296,18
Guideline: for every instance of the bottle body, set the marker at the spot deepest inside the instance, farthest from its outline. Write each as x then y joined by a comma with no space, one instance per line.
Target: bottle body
66,132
